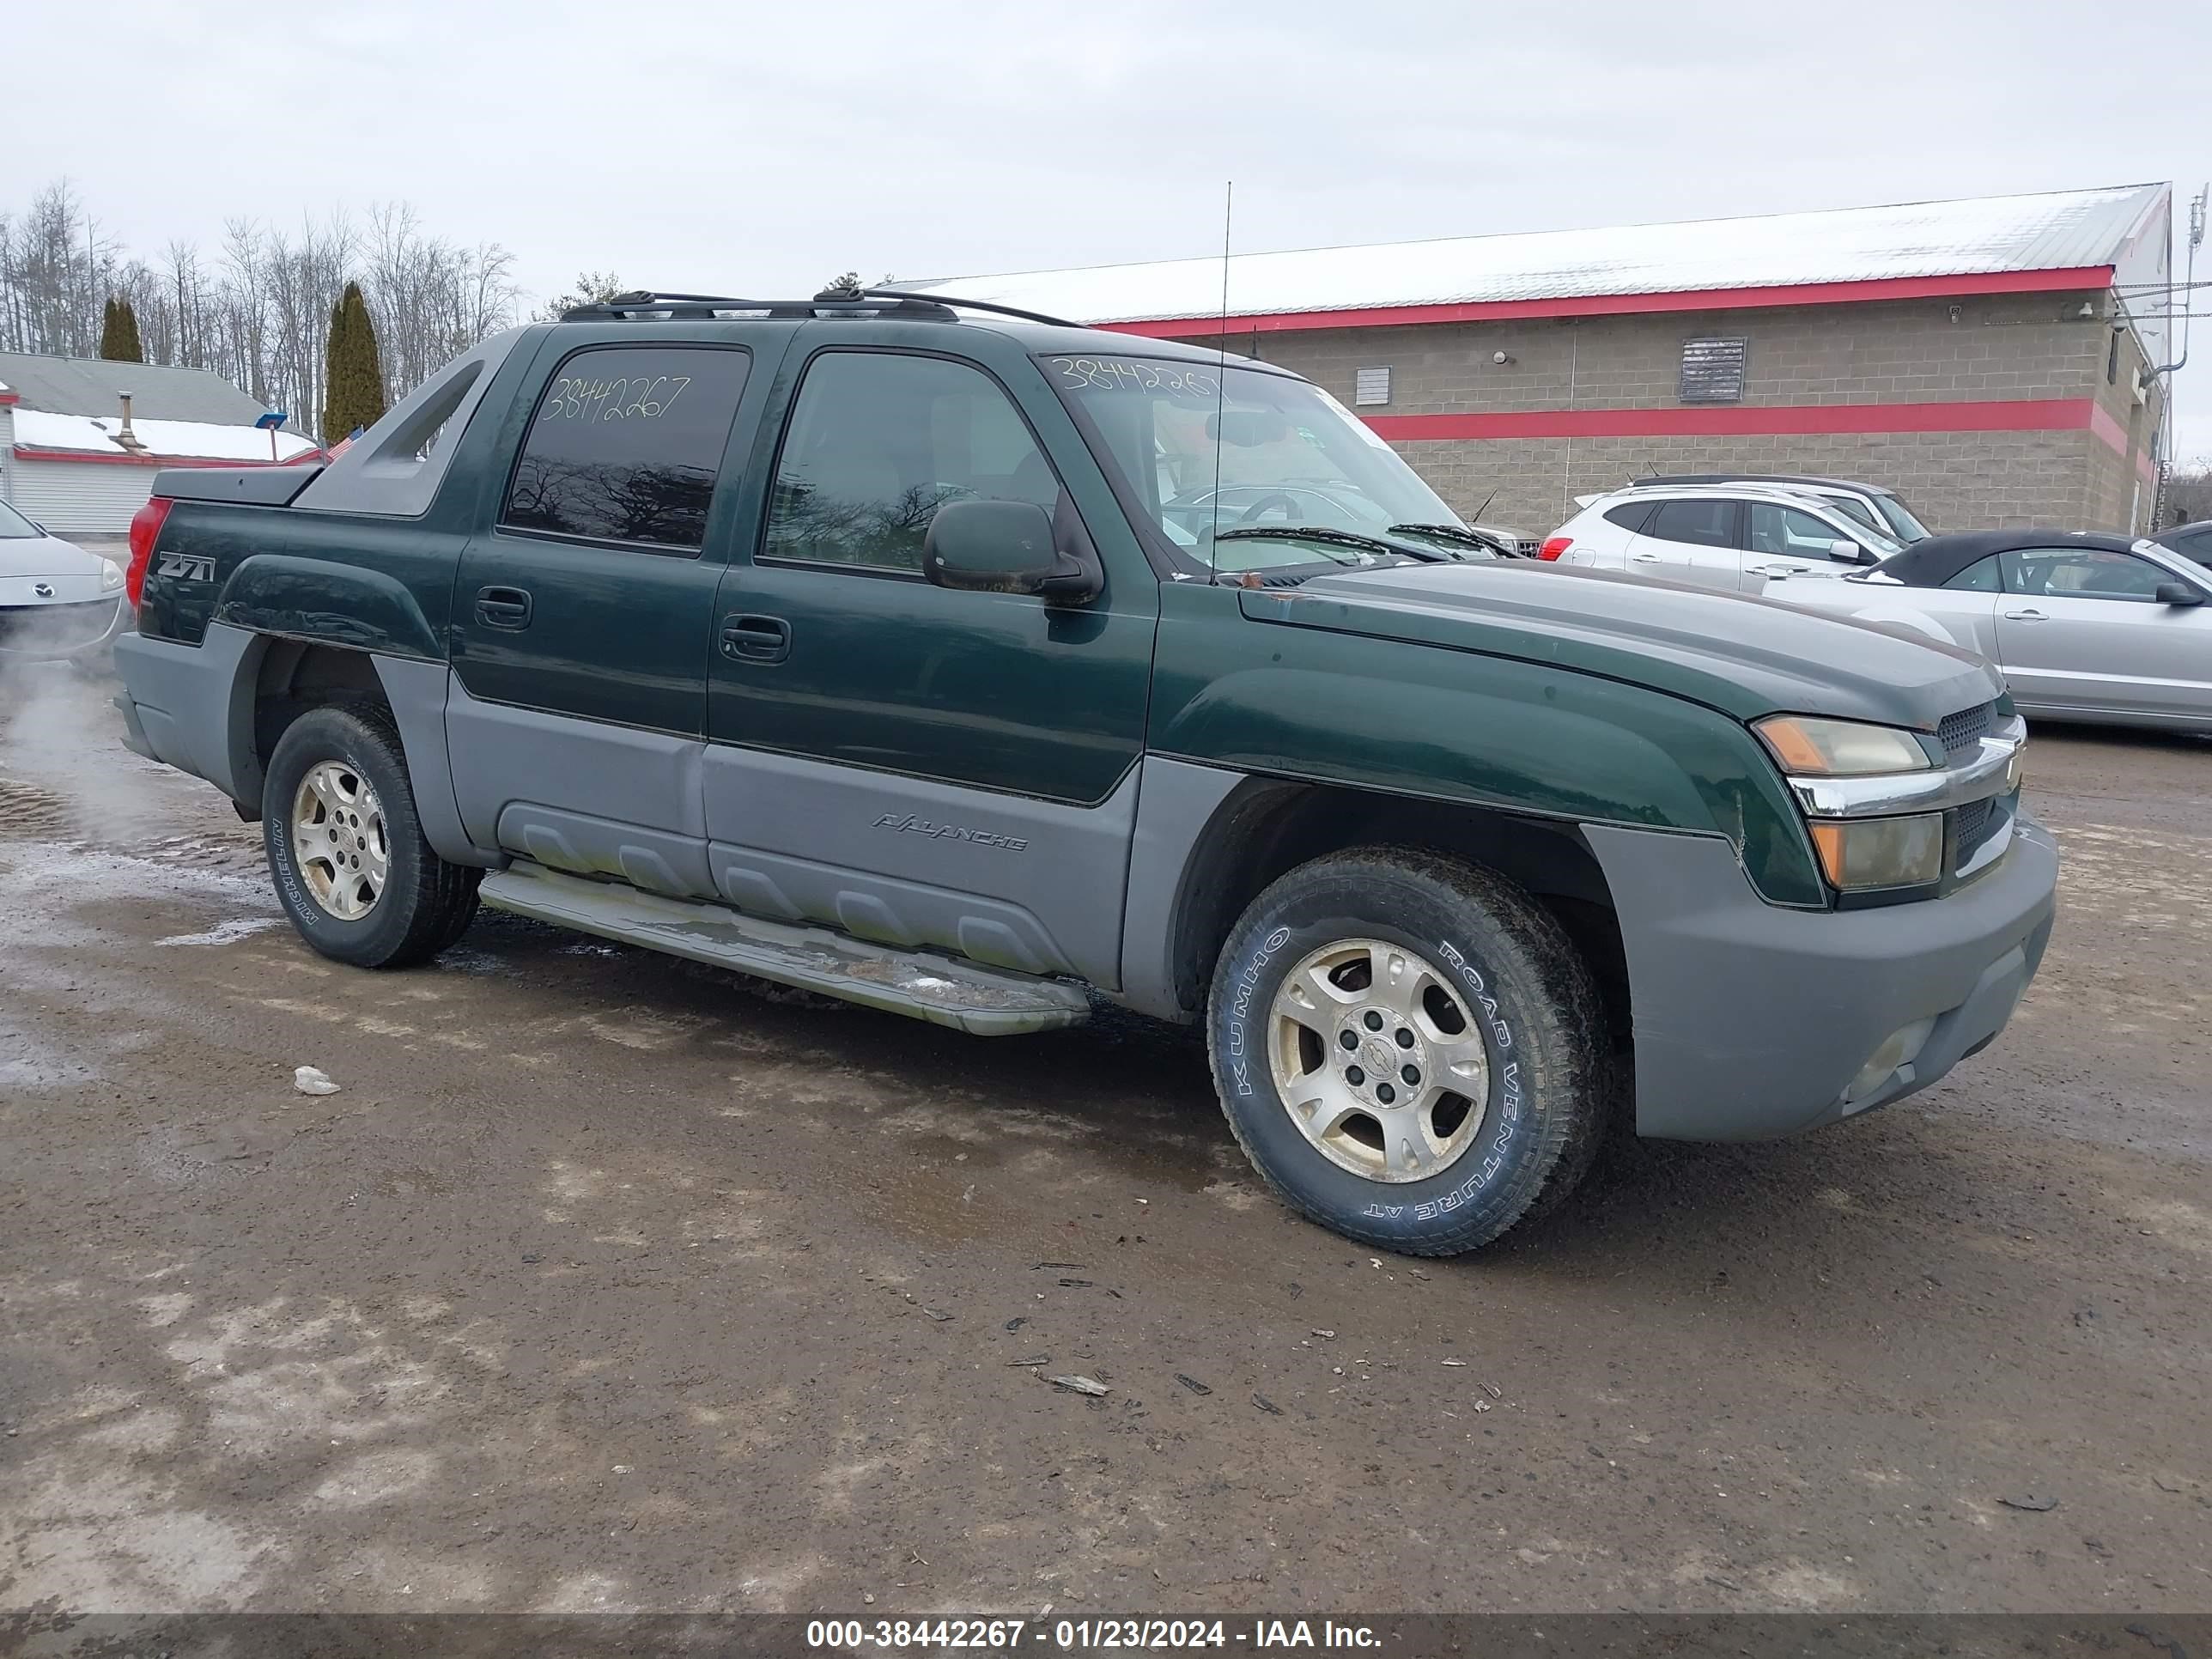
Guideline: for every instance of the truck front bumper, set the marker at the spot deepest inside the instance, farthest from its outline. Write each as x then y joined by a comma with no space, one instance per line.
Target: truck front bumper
1754,1022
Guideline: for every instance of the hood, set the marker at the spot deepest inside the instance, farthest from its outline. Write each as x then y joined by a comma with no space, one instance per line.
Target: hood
1745,656
46,555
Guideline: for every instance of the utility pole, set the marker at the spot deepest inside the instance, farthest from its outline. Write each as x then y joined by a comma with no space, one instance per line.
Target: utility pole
2165,464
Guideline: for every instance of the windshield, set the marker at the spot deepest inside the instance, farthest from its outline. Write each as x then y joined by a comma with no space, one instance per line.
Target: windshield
1239,449
1902,525
14,525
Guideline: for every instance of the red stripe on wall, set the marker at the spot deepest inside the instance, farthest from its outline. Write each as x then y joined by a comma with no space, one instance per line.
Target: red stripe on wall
1609,305
2017,415
29,453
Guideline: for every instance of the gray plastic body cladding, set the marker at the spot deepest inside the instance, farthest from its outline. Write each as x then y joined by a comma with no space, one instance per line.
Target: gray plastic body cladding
1751,1020
978,1000
417,692
549,787
1023,884
1175,801
194,704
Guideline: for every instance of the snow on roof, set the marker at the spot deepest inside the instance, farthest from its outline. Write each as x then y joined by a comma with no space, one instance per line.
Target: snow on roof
35,429
93,385
2058,231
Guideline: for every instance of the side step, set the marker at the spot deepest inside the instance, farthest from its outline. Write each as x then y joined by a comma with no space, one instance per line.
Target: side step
965,995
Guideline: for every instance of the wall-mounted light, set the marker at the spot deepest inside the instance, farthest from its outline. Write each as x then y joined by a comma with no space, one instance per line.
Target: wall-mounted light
1499,357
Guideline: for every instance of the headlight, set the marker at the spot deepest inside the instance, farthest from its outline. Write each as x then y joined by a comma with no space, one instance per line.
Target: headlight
1810,748
111,576
1863,853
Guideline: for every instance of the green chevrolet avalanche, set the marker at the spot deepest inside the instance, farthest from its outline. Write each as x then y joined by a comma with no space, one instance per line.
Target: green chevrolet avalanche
977,667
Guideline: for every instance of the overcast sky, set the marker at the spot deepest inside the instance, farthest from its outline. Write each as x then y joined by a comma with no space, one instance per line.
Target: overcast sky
746,149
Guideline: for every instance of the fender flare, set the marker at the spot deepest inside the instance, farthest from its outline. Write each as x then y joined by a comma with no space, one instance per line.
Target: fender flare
326,604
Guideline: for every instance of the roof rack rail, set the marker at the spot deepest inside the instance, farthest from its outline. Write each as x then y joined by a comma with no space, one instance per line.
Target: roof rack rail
972,305
645,303
830,302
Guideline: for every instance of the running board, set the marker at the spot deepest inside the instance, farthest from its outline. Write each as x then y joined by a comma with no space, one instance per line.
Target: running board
965,995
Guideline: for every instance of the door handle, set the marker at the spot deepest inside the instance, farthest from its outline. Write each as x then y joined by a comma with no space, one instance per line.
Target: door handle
756,638
1647,558
503,607
2024,616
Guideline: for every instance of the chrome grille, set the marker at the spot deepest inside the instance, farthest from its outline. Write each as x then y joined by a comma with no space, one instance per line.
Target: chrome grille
1963,730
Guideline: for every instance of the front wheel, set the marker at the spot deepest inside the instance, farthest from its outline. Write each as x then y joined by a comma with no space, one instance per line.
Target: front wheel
1408,1049
346,849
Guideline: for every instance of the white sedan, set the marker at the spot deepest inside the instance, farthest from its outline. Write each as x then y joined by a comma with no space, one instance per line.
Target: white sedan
2085,627
57,602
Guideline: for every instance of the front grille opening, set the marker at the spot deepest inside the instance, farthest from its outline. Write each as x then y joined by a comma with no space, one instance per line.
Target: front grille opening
1964,729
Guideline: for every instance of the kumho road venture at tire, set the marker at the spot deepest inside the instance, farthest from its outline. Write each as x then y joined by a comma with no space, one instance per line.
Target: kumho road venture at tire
1408,1049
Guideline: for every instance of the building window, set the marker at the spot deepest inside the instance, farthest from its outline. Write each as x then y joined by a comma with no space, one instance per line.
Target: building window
1370,387
1712,371
2112,360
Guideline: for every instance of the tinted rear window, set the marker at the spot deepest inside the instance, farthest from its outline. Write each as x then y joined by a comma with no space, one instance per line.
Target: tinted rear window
1703,524
1630,517
626,443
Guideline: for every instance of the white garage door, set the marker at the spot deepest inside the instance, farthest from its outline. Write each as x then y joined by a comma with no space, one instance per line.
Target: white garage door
86,498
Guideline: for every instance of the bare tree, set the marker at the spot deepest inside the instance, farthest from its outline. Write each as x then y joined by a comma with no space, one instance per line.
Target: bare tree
258,313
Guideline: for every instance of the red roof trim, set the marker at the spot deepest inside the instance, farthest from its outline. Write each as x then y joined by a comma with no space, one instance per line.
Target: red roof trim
2072,278
32,452
2007,414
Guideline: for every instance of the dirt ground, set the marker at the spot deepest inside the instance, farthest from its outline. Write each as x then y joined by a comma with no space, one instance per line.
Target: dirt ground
609,1282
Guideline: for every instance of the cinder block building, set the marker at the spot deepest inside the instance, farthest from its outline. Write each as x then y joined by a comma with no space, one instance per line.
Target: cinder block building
1989,360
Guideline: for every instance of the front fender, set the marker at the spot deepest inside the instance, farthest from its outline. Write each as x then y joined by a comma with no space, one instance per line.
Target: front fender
326,603
1518,737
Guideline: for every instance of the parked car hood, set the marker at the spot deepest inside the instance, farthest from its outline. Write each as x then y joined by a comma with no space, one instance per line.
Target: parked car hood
46,555
1746,656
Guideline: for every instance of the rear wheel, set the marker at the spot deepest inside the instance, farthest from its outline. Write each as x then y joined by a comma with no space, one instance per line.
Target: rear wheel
346,850
1408,1049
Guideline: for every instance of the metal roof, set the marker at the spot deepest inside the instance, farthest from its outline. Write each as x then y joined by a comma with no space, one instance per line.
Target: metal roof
88,385
2058,231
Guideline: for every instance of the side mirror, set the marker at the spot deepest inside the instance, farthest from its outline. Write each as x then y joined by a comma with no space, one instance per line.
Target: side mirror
1847,553
1009,547
2177,593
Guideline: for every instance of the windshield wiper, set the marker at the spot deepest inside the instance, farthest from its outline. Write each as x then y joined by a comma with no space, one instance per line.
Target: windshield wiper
1308,532
1447,533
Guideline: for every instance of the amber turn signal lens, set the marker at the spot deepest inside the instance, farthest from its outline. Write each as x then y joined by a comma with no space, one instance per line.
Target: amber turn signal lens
1859,854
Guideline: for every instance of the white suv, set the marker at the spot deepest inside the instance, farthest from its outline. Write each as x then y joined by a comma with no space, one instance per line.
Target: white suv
1725,536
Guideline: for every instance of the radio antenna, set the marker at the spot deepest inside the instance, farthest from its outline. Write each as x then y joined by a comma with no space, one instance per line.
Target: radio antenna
1220,382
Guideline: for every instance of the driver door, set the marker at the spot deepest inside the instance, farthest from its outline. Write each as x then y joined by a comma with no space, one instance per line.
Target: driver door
2083,628
1788,542
909,762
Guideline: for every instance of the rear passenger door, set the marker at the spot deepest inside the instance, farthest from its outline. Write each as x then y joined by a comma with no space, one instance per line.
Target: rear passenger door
582,619
1695,539
906,763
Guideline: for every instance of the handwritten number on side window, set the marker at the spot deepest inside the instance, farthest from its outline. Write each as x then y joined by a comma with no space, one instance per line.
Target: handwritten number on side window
640,398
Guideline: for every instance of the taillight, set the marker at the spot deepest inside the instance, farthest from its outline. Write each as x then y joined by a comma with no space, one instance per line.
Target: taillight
145,530
1553,548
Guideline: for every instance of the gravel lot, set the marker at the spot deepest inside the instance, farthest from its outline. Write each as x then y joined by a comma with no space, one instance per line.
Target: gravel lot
609,1282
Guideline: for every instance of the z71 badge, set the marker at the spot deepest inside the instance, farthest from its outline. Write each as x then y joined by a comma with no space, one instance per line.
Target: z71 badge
186,566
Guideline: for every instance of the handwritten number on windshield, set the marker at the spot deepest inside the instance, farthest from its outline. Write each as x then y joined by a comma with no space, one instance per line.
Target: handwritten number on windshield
1126,373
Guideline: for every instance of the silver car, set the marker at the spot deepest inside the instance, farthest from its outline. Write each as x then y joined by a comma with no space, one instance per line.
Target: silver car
2085,627
56,601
